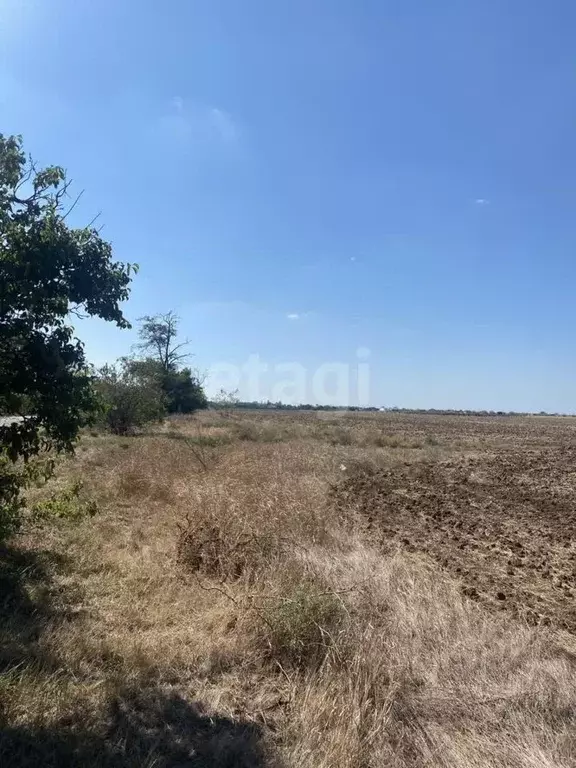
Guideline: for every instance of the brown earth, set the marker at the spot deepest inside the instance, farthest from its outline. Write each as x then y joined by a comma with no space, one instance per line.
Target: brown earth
502,519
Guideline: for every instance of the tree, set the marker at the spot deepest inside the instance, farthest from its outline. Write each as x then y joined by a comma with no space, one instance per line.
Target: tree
128,400
49,271
158,334
183,390
184,393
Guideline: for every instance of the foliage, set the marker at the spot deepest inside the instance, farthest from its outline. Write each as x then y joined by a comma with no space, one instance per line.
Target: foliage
226,399
48,271
65,505
182,391
13,477
127,400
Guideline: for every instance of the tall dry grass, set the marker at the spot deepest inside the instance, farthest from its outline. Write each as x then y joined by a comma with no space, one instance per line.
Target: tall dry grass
220,612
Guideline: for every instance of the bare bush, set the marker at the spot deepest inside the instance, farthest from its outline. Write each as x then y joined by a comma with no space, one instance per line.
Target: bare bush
205,546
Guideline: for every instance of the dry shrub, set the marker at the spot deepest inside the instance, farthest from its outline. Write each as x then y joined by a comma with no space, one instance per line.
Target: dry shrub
260,433
254,495
340,436
381,439
248,514
154,467
206,547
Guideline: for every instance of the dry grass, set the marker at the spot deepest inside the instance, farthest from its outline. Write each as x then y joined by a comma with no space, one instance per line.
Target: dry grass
217,611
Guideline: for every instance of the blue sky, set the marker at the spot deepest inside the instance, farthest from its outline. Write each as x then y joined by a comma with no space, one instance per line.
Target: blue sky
304,179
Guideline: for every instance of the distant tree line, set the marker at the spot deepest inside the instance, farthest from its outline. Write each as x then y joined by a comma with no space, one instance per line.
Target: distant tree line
279,406
267,405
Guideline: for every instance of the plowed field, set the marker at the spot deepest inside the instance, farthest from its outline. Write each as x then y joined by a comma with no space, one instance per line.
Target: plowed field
502,518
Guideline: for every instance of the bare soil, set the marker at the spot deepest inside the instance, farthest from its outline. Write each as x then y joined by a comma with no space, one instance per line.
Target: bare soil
501,518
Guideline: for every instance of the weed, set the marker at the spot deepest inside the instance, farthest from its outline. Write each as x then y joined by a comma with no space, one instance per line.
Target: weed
387,441
14,476
202,446
64,505
300,628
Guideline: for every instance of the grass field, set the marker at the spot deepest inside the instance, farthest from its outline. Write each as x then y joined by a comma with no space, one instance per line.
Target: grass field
310,590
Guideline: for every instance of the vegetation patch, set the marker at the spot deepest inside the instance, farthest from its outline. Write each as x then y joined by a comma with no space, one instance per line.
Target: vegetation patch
301,627
205,545
259,433
67,505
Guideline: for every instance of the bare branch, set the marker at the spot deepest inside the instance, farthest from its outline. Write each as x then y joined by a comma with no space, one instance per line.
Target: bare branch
26,176
215,589
200,376
158,333
93,220
62,192
73,205
179,346
76,312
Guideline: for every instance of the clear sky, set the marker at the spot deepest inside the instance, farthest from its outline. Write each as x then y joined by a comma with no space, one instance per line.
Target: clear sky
303,179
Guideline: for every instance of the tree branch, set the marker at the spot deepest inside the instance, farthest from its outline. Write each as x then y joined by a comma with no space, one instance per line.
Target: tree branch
73,205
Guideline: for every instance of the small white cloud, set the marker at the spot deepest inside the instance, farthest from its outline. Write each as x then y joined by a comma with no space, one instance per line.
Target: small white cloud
293,316
223,125
482,201
198,123
352,258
